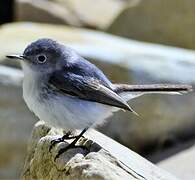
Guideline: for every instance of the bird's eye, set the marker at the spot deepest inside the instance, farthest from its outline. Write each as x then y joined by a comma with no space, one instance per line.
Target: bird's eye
41,58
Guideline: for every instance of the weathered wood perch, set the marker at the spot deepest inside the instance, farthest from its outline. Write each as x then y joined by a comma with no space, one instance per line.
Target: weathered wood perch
107,159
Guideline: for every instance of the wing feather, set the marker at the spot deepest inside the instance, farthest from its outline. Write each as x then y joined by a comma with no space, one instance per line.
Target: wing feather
87,88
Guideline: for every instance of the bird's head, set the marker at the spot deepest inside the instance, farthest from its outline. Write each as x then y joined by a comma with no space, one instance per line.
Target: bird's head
44,56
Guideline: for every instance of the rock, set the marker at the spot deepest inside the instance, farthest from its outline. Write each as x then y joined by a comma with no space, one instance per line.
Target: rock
181,164
45,11
142,60
99,163
99,16
162,21
16,123
71,12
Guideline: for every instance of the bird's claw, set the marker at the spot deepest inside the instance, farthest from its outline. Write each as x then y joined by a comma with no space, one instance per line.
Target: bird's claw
66,136
54,142
61,139
72,144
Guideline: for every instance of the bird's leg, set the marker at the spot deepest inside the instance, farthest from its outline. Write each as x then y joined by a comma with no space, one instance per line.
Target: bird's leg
72,144
61,139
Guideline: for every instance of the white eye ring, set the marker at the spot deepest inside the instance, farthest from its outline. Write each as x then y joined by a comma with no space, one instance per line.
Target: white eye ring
41,58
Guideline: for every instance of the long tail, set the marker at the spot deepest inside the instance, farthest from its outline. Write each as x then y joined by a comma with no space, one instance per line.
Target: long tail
155,88
128,92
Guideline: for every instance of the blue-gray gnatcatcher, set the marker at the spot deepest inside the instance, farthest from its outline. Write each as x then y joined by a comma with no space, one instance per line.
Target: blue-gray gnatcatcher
67,91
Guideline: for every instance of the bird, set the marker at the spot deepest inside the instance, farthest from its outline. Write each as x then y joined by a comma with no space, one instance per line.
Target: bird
67,91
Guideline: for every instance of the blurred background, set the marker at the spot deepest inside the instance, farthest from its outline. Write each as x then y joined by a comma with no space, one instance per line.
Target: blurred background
133,41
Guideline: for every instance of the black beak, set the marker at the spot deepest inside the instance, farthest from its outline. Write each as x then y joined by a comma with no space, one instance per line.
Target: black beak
20,57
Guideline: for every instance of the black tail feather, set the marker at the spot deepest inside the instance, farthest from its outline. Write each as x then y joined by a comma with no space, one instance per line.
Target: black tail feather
153,88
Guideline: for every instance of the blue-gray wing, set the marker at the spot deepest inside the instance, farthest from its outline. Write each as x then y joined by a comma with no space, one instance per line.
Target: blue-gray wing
86,88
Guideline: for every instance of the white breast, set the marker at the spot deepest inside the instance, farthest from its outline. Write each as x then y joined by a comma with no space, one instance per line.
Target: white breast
63,111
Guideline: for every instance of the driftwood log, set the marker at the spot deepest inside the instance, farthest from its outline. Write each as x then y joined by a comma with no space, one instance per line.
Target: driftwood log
107,159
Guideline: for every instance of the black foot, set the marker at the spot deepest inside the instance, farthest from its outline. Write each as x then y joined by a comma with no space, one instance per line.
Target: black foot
61,139
72,145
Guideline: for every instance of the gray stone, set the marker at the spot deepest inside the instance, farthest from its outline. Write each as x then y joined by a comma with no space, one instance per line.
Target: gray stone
71,12
44,11
143,60
77,163
159,21
16,123
181,164
99,15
